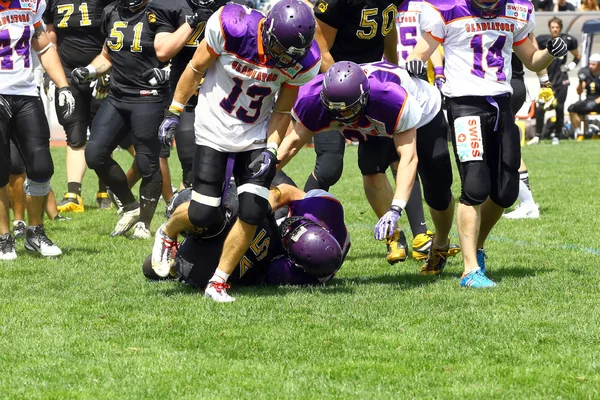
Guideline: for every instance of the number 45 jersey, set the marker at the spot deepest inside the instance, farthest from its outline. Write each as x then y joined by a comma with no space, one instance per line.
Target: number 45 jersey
19,19
478,50
237,96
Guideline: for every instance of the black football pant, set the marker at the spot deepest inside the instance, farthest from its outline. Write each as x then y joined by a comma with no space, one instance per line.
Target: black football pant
186,145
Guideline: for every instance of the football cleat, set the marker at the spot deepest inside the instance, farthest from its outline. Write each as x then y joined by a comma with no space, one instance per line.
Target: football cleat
103,201
36,240
60,218
477,280
19,229
396,247
217,291
7,247
71,202
421,245
140,231
481,257
127,221
535,140
436,261
524,211
163,253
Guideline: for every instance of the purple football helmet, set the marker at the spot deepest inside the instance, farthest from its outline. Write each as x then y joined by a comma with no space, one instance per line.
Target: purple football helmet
310,246
288,31
345,91
488,9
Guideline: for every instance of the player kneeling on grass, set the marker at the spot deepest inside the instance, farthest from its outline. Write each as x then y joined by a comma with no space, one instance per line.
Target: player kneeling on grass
384,108
306,247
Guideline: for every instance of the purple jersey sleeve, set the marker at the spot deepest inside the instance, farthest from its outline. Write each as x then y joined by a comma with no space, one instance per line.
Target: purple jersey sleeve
308,108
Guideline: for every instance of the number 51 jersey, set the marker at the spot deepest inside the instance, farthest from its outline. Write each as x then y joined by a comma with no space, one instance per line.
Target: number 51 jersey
236,98
478,51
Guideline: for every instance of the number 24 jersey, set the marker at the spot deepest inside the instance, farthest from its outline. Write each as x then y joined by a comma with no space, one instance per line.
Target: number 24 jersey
478,51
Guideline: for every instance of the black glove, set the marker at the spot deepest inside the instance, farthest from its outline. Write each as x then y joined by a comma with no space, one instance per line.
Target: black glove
64,103
265,165
415,67
5,110
156,76
199,16
81,74
557,47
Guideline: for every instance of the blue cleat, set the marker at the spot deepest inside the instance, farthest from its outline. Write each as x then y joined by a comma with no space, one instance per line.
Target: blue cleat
477,280
481,257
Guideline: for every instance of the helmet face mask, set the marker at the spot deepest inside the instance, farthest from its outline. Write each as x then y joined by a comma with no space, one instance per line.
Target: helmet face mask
209,4
130,4
345,92
488,9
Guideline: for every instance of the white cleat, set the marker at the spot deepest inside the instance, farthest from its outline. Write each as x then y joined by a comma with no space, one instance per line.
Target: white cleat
163,252
140,231
217,291
36,240
127,221
524,211
7,247
535,140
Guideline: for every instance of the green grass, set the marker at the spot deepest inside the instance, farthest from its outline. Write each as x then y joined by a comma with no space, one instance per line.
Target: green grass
88,325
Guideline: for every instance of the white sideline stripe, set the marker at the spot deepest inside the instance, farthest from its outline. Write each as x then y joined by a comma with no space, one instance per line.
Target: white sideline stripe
254,189
207,200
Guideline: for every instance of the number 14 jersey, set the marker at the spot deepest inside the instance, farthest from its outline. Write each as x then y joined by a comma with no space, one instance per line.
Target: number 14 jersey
478,51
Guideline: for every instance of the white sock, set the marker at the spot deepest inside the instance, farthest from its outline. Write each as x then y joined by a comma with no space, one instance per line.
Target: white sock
525,196
220,276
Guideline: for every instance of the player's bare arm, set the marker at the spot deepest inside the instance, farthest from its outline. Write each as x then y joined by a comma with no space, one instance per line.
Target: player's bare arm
406,146
102,63
390,45
534,59
292,143
424,48
51,32
48,57
193,74
325,36
281,117
168,45
284,194
437,59
580,87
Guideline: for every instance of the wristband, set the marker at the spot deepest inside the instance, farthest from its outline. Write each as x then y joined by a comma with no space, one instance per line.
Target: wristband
399,203
176,107
438,70
543,78
92,70
272,147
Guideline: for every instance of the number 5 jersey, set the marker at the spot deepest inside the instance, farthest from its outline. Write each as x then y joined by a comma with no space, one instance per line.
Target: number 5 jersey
236,98
478,50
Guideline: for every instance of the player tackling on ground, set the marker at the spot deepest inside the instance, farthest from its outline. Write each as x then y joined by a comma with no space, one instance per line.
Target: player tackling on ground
478,39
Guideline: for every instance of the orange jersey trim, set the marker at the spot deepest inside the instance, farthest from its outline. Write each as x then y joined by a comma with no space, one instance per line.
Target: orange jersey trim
401,111
520,42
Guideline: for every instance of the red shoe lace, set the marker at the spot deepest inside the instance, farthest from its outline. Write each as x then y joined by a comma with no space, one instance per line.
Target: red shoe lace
219,286
170,245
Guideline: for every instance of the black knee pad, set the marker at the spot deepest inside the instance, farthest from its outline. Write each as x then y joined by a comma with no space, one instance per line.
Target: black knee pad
329,168
253,208
206,217
76,134
476,185
95,157
437,199
147,164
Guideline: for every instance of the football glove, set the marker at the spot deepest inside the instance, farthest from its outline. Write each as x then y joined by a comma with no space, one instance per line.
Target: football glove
557,47
568,67
81,74
415,67
101,86
157,76
386,225
48,86
167,128
64,104
439,81
5,110
265,165
546,97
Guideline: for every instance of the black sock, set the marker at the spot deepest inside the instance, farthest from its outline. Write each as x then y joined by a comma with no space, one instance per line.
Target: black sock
414,210
101,186
114,177
74,187
313,183
150,191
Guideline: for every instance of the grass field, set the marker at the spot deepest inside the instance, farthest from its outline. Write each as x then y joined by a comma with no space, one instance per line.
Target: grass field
88,325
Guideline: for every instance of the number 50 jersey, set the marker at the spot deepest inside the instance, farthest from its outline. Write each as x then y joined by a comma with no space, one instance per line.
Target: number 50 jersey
237,96
478,51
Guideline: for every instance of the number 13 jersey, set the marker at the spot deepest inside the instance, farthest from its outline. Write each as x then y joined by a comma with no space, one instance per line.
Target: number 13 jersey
478,51
236,98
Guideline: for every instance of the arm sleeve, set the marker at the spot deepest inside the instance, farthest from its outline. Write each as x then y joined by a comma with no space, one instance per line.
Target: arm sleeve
214,34
330,12
410,114
432,22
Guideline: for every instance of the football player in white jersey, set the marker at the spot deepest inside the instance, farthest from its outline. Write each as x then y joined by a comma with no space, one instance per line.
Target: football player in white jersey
248,58
22,118
478,40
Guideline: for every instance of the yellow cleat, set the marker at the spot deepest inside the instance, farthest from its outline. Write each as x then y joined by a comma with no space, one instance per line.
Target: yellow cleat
396,247
71,202
436,261
421,245
103,201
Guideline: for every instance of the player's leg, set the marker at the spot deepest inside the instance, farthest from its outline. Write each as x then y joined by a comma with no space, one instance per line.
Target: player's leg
330,147
527,207
144,121
31,135
435,170
165,172
16,193
475,177
203,211
103,200
184,137
7,241
561,98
